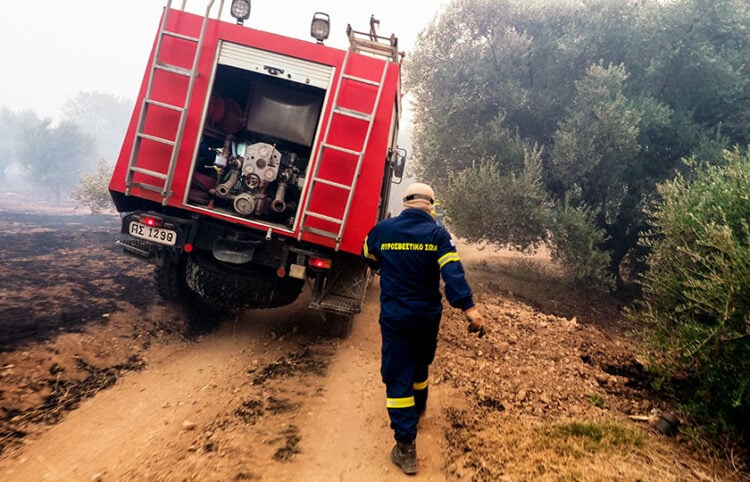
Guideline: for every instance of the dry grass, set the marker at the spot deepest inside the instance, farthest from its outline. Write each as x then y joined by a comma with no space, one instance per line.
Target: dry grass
529,449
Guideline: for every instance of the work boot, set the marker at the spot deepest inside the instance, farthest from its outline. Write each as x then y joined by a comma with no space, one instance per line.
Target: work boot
404,454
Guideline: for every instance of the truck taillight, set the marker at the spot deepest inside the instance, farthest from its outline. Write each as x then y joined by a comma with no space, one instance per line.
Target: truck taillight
320,263
150,220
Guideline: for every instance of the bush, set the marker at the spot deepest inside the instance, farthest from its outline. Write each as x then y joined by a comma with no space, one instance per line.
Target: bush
575,244
697,291
484,204
93,190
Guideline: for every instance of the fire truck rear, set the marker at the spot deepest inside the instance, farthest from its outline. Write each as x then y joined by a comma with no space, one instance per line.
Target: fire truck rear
254,164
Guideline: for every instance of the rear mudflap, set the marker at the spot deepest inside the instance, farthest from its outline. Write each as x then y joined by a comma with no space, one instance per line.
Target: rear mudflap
345,286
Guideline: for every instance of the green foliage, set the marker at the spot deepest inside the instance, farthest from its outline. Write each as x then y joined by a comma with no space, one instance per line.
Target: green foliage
597,139
697,290
483,205
53,155
615,93
93,190
597,400
7,142
12,125
461,92
576,243
579,439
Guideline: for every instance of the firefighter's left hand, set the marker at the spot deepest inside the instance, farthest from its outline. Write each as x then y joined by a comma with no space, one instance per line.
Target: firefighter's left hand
476,321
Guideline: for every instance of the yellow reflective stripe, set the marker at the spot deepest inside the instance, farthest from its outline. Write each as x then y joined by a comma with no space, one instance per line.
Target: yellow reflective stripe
420,385
447,258
366,252
405,402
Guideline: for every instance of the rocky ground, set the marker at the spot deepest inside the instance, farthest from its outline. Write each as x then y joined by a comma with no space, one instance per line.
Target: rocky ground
100,380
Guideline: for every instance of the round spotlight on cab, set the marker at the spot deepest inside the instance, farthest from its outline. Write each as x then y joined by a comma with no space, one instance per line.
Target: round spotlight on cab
240,10
320,26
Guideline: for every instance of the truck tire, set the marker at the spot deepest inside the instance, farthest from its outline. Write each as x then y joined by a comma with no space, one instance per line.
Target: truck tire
172,287
170,280
230,286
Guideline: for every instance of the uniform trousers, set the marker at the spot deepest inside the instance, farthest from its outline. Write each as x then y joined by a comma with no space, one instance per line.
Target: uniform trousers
408,349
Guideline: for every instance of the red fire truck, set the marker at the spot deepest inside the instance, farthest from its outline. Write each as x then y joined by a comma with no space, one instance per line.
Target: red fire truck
254,164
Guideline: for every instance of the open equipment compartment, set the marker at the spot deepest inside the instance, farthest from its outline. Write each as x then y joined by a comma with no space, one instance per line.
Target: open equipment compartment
254,164
259,130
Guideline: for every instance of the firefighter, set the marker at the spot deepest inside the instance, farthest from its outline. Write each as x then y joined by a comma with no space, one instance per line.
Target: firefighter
412,251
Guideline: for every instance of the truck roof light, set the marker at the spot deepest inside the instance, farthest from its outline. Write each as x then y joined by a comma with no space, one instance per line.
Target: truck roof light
320,26
240,10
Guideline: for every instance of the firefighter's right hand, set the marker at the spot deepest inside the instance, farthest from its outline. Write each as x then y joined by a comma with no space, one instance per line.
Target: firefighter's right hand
476,321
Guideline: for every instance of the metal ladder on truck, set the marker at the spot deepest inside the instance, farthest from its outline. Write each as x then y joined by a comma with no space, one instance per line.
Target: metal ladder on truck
166,175
371,45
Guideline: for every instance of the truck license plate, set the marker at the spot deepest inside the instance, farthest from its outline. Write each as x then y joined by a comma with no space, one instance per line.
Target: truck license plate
163,236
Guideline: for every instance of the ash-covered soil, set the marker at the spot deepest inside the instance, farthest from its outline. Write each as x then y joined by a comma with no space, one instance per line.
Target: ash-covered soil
63,288
60,273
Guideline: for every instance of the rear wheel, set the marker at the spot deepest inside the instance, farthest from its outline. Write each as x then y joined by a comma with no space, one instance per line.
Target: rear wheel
172,286
170,280
229,285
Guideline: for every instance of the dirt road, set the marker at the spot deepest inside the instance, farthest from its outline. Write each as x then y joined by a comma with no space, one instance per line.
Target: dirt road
239,403
99,380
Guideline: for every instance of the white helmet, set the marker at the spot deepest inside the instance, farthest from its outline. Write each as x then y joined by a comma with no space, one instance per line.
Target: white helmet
420,196
419,190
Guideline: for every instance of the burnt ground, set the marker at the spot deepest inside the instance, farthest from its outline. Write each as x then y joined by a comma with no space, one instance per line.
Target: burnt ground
61,273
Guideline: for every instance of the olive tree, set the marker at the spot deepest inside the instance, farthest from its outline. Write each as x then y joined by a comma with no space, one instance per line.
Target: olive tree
612,93
54,154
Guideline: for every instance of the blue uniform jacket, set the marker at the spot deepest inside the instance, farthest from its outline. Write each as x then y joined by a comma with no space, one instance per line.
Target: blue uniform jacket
412,251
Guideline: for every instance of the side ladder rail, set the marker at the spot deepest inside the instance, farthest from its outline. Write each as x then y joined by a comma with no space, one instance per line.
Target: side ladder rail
175,143
350,188
306,211
360,160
